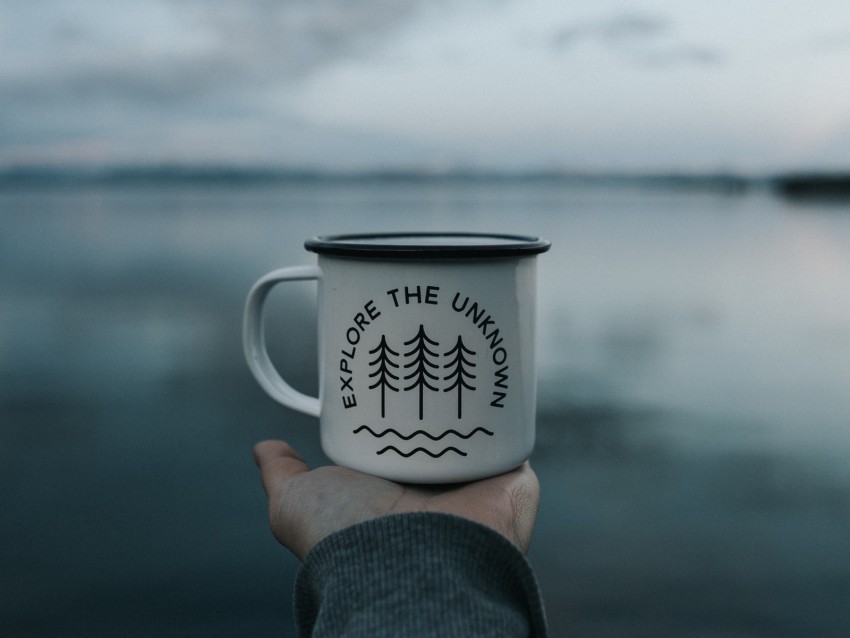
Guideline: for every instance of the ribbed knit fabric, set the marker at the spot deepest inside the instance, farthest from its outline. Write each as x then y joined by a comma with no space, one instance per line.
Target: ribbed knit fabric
417,575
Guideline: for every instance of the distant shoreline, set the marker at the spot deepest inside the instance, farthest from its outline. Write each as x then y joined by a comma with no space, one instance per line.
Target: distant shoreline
792,185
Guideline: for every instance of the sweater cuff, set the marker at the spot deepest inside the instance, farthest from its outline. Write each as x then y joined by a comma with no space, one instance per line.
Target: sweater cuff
417,574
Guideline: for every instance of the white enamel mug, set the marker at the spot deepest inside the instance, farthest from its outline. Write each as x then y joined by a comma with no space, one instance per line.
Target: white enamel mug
426,352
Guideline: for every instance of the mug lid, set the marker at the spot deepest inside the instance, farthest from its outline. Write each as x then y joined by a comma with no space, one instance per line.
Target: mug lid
427,245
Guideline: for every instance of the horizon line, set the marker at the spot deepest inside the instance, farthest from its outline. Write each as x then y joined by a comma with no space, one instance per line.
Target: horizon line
787,182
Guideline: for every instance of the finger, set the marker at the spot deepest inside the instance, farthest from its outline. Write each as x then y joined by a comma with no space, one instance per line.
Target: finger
268,450
530,477
521,477
278,463
525,499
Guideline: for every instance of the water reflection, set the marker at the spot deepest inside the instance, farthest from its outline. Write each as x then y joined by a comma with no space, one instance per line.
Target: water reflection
692,431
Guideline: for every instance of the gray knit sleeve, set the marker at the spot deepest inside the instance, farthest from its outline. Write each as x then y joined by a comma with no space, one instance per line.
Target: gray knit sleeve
416,575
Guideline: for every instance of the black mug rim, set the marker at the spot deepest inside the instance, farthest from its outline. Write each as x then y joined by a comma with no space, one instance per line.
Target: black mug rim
426,245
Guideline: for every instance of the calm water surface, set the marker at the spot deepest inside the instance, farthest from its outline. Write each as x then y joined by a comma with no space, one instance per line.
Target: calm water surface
693,428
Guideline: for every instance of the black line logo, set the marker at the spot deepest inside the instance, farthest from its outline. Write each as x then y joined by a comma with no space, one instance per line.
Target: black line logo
433,455
382,364
407,437
460,374
424,360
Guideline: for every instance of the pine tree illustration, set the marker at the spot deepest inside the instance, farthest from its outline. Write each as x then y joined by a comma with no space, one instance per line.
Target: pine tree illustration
459,366
382,363
420,364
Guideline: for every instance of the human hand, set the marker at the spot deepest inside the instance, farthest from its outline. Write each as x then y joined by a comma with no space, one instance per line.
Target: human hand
307,505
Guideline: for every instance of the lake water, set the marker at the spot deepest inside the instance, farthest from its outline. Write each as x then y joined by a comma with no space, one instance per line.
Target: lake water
693,437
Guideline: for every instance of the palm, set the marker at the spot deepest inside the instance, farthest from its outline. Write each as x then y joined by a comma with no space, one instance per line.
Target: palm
306,505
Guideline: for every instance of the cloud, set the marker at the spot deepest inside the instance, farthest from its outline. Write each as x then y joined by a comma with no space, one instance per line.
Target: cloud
189,47
643,39
80,69
293,38
693,55
835,42
613,30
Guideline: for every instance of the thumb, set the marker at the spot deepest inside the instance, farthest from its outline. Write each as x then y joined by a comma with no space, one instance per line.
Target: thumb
279,463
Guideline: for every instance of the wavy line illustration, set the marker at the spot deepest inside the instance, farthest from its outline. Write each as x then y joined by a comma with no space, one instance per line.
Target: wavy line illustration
407,437
421,449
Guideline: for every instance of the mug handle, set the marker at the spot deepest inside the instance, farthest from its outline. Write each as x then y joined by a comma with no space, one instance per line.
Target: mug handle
254,341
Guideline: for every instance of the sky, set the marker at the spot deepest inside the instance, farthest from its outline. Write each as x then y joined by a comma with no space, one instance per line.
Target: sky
753,86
